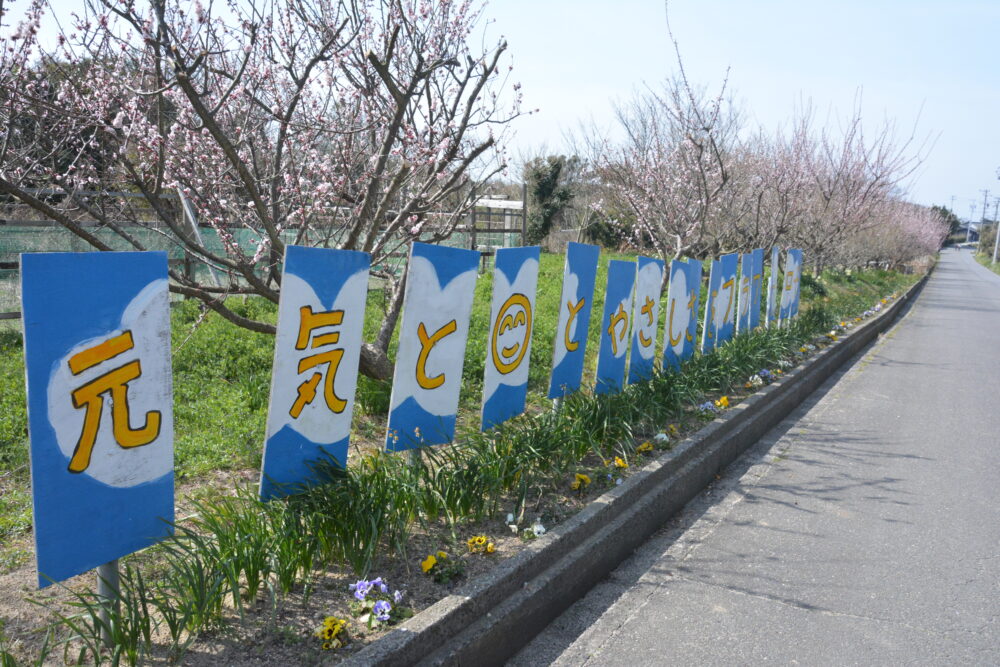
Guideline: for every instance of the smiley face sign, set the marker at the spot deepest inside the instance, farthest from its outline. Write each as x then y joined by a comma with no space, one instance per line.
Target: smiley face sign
515,279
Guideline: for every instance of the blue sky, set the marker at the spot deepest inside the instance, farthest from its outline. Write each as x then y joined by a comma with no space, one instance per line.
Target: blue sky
930,64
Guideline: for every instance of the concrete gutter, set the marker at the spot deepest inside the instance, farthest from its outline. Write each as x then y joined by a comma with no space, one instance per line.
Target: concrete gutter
496,615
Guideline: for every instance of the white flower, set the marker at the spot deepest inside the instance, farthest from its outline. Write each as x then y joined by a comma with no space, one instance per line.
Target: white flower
510,517
513,527
661,437
538,529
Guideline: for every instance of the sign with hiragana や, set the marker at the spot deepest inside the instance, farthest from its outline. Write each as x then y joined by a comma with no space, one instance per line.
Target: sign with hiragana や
437,305
97,354
505,385
720,309
615,326
773,285
682,312
790,288
570,344
756,286
645,318
744,297
316,353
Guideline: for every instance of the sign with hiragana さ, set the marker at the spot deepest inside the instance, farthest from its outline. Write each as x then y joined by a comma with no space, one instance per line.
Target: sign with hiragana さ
720,309
682,313
756,286
645,318
316,353
505,385
570,343
745,293
97,355
773,285
611,357
437,305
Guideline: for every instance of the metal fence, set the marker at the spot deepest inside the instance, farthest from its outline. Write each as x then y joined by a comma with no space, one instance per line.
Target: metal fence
491,224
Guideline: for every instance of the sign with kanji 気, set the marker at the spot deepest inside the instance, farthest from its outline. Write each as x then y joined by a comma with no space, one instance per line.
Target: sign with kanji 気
570,345
682,313
437,305
720,308
315,373
100,413
508,349
645,318
611,357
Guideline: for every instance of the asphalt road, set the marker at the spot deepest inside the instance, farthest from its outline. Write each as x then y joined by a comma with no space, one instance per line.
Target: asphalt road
864,530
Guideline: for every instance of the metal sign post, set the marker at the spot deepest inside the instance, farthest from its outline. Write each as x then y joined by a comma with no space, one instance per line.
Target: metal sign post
109,590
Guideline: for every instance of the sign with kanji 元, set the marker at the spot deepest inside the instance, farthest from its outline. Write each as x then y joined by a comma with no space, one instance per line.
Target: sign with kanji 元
316,353
611,356
720,309
505,385
570,343
682,312
437,304
97,355
645,318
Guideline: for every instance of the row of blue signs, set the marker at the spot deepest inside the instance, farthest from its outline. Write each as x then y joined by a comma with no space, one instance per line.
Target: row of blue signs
97,349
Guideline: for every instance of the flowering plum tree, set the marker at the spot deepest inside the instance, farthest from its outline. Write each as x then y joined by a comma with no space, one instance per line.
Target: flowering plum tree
355,124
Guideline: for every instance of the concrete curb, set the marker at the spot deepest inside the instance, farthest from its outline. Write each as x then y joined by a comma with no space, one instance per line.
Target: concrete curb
493,617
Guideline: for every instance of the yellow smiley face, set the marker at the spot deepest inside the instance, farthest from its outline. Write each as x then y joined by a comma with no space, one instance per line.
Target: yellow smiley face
511,333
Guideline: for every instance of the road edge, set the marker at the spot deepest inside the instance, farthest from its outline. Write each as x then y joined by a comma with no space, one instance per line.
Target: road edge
491,618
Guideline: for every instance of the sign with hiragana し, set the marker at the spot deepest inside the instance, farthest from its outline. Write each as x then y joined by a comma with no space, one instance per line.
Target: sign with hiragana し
570,344
645,318
745,293
773,285
790,288
97,354
682,313
756,286
316,353
437,305
720,309
615,326
512,318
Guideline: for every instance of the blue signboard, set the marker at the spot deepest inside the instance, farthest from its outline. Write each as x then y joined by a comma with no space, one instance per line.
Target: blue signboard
745,293
645,319
316,354
756,286
720,310
440,283
615,326
773,285
796,262
505,385
790,285
575,305
97,352
682,313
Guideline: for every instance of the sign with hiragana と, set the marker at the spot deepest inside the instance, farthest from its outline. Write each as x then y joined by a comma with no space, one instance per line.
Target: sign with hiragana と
437,305
570,345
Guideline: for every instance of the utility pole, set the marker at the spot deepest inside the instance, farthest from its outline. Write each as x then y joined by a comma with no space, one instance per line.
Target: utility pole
972,215
996,228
